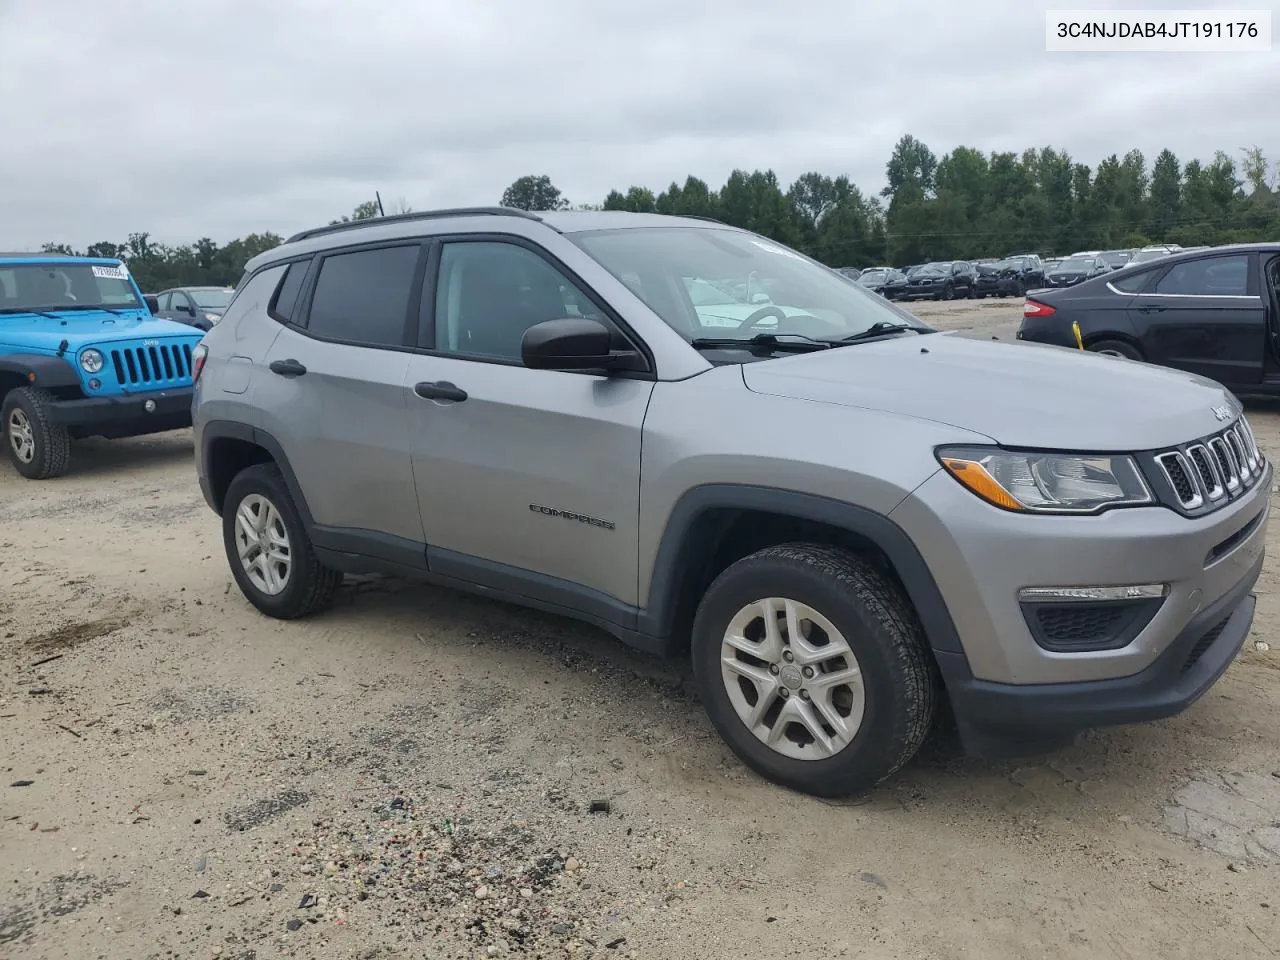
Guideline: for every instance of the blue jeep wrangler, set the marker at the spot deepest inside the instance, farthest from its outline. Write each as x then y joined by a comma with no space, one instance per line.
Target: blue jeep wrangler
82,356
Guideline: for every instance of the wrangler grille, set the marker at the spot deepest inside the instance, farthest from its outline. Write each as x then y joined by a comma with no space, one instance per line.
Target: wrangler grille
1214,470
164,364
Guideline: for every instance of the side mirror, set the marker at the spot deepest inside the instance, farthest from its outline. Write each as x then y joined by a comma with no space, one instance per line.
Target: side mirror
153,303
760,298
185,308
570,343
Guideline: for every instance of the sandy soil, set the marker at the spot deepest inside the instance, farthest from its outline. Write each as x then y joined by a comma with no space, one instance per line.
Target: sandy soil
422,766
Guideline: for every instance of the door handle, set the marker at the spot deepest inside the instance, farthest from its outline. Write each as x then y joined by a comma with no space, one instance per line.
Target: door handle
1152,309
287,368
441,390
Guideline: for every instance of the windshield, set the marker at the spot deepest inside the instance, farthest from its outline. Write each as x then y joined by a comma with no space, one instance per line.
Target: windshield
931,269
1076,263
1116,258
64,286
1013,263
211,299
774,289
874,273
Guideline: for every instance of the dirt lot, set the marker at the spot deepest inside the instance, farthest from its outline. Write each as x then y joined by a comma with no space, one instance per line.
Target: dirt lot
412,775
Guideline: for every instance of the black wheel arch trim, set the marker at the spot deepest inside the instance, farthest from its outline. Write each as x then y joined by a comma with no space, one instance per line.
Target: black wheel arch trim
49,371
216,430
671,562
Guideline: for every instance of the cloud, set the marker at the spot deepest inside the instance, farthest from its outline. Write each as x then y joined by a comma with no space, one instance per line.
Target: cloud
227,116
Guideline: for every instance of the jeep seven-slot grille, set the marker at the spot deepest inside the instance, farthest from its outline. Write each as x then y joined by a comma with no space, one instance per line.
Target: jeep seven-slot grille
154,365
1214,470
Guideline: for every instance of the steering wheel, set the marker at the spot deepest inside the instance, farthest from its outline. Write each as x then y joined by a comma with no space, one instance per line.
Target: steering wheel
758,315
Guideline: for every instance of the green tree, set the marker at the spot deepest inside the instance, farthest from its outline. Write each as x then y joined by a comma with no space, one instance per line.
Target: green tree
533,193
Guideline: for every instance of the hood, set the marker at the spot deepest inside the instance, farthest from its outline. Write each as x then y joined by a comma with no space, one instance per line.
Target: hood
1017,394
83,327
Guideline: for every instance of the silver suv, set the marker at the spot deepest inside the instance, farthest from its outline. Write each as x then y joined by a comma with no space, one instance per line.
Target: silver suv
691,436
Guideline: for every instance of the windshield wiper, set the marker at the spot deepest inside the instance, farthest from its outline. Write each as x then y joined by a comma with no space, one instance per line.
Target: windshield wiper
767,341
38,313
878,329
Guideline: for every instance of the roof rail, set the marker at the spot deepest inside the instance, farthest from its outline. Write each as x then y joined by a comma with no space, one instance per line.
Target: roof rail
416,215
695,216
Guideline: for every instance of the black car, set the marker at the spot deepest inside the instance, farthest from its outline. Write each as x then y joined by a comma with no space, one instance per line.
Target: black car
199,307
941,280
896,288
1212,312
881,280
1011,277
1075,270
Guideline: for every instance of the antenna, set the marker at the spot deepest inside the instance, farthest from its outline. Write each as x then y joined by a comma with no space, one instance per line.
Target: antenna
377,196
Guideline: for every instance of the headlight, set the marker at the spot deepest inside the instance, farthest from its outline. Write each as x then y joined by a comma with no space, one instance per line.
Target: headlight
91,361
1047,482
213,317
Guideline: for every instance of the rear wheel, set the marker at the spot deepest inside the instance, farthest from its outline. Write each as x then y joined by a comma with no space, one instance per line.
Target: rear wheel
268,548
38,448
1116,348
812,666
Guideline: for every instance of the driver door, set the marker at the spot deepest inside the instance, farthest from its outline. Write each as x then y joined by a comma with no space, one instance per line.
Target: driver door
528,481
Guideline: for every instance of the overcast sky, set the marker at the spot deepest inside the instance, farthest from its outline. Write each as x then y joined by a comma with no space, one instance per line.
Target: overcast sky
190,118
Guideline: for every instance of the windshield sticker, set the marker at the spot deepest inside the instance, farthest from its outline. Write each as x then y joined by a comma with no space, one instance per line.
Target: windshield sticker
110,273
781,251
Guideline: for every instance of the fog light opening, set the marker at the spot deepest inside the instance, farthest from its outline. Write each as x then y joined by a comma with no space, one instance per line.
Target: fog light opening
149,406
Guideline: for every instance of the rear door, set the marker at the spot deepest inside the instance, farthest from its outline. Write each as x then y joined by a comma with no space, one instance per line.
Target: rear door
333,395
1205,316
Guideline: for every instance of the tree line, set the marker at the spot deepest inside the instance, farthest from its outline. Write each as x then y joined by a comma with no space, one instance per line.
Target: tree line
965,204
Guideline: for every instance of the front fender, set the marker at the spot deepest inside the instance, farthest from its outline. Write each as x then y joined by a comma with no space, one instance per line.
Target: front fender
40,370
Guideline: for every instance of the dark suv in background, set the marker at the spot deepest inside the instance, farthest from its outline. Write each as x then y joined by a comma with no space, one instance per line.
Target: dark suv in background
1011,277
941,280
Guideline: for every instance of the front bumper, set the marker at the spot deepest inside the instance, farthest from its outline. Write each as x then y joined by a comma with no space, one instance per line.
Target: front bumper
126,415
923,292
1002,677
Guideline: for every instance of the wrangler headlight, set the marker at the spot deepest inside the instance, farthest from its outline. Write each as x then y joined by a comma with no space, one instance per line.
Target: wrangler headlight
1047,482
91,361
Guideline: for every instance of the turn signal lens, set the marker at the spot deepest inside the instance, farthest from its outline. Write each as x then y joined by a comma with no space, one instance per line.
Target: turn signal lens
974,476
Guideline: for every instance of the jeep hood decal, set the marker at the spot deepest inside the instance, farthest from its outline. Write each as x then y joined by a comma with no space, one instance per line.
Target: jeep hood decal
1018,394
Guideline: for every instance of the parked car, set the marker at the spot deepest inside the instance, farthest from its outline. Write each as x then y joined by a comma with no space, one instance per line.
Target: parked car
1153,252
81,356
1051,262
1073,270
199,307
559,430
940,280
1011,277
1115,259
1210,312
896,288
880,279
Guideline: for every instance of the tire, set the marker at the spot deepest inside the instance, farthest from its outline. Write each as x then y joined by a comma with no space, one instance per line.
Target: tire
38,448
972,294
898,679
1116,348
308,586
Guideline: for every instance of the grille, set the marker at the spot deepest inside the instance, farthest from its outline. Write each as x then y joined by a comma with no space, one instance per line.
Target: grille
1075,624
1204,643
156,365
1215,469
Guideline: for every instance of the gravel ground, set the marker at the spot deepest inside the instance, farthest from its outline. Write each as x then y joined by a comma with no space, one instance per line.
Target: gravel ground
424,774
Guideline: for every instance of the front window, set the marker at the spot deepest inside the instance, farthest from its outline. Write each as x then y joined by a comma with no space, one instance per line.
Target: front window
1115,259
1145,256
33,286
764,287
212,299
1076,265
941,269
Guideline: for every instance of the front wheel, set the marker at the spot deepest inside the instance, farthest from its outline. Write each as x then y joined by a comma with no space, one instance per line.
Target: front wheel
38,448
813,667
268,548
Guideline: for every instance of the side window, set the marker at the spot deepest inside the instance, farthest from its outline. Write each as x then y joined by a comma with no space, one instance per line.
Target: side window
1211,277
489,293
163,300
285,301
363,297
1134,284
